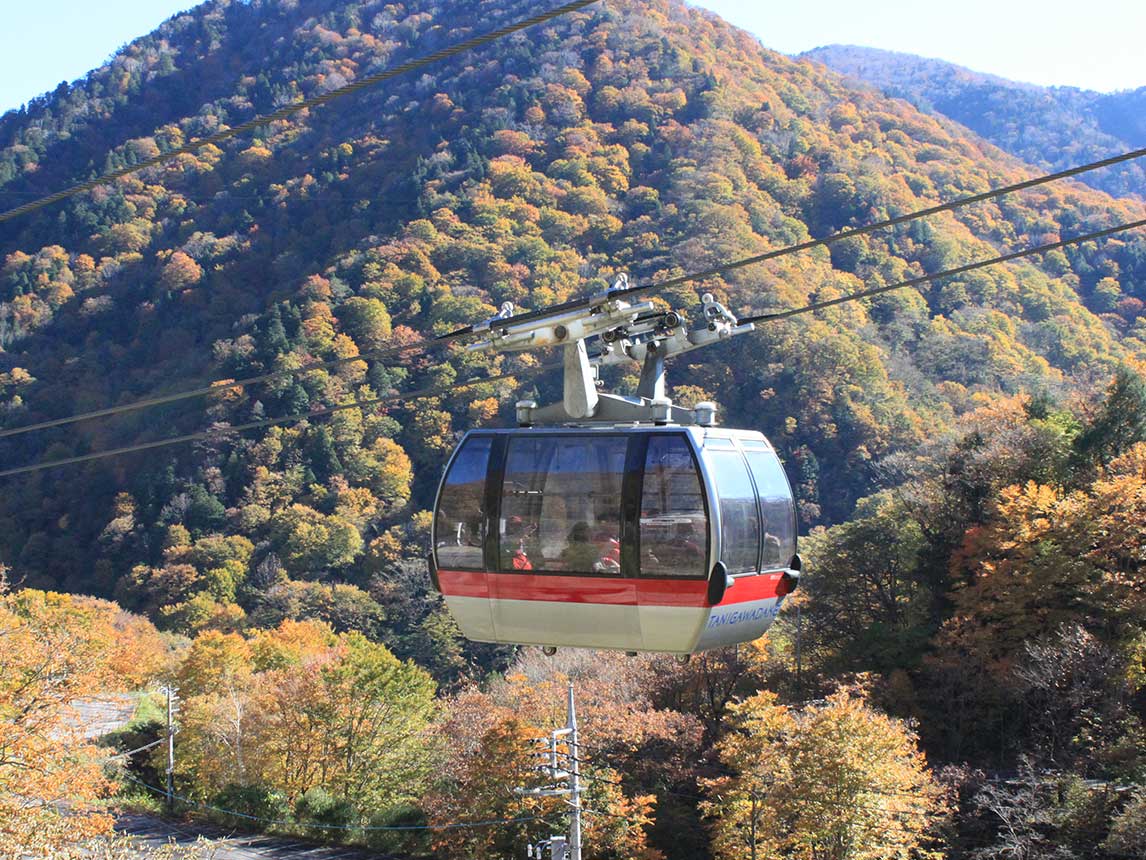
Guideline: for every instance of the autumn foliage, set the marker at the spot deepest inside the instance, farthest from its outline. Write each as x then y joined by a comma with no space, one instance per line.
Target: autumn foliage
966,456
57,651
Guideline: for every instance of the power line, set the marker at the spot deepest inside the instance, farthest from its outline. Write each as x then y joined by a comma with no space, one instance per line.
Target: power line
588,763
892,824
869,791
267,422
492,822
895,825
162,740
306,104
928,816
970,267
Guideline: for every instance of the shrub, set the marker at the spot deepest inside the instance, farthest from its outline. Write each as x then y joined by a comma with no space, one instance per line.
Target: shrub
324,815
256,807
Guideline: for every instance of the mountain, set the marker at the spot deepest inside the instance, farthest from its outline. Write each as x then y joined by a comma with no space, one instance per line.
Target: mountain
639,136
969,456
1052,127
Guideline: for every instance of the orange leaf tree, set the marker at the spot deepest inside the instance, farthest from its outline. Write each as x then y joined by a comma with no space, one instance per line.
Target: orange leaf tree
56,650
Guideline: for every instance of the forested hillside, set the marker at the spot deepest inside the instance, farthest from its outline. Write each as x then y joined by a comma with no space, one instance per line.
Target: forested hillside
965,455
1053,127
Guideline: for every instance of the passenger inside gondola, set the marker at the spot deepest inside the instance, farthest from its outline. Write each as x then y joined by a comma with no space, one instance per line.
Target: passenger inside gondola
673,518
515,547
580,553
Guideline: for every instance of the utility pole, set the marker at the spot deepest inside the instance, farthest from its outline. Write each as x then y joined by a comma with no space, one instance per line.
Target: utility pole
799,655
574,782
171,697
562,847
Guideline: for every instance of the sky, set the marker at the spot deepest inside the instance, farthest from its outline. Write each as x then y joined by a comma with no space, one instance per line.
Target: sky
1097,45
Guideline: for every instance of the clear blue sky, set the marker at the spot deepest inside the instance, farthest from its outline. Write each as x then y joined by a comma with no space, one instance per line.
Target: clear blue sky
1093,44
1096,44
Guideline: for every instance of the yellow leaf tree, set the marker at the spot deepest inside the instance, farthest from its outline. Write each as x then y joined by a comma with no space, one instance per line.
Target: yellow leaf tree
837,781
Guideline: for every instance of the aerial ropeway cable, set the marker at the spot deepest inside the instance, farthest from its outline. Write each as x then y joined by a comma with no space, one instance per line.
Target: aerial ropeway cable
839,236
949,273
471,332
224,430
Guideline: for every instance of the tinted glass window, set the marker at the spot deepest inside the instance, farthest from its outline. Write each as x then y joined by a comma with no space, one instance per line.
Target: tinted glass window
674,527
739,523
776,503
561,504
458,523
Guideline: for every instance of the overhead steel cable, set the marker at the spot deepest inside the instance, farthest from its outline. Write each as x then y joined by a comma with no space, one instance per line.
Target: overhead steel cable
218,431
826,240
306,104
881,225
442,390
948,273
467,331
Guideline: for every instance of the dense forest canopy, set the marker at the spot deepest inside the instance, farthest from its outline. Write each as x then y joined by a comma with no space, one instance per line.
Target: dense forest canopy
647,138
1052,127
967,456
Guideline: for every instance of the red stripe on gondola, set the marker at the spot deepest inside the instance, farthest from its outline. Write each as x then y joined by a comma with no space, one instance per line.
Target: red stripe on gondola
606,590
463,583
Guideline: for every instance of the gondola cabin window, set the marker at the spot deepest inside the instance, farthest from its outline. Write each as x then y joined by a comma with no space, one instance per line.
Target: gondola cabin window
674,524
561,504
739,520
779,516
458,524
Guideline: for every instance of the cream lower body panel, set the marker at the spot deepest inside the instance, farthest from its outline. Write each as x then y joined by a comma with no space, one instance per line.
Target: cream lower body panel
574,625
473,617
660,629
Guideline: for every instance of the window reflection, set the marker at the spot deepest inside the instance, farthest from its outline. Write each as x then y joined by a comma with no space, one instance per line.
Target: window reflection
739,523
674,527
776,504
561,504
458,522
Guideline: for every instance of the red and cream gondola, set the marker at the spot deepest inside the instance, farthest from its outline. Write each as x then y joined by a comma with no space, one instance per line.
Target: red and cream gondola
669,539
614,522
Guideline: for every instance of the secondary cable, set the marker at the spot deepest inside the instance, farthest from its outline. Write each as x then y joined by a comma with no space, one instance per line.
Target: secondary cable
922,279
833,237
221,385
416,394
288,110
880,225
471,330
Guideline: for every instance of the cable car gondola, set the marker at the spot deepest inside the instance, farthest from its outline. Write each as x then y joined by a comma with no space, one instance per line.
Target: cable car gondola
612,522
